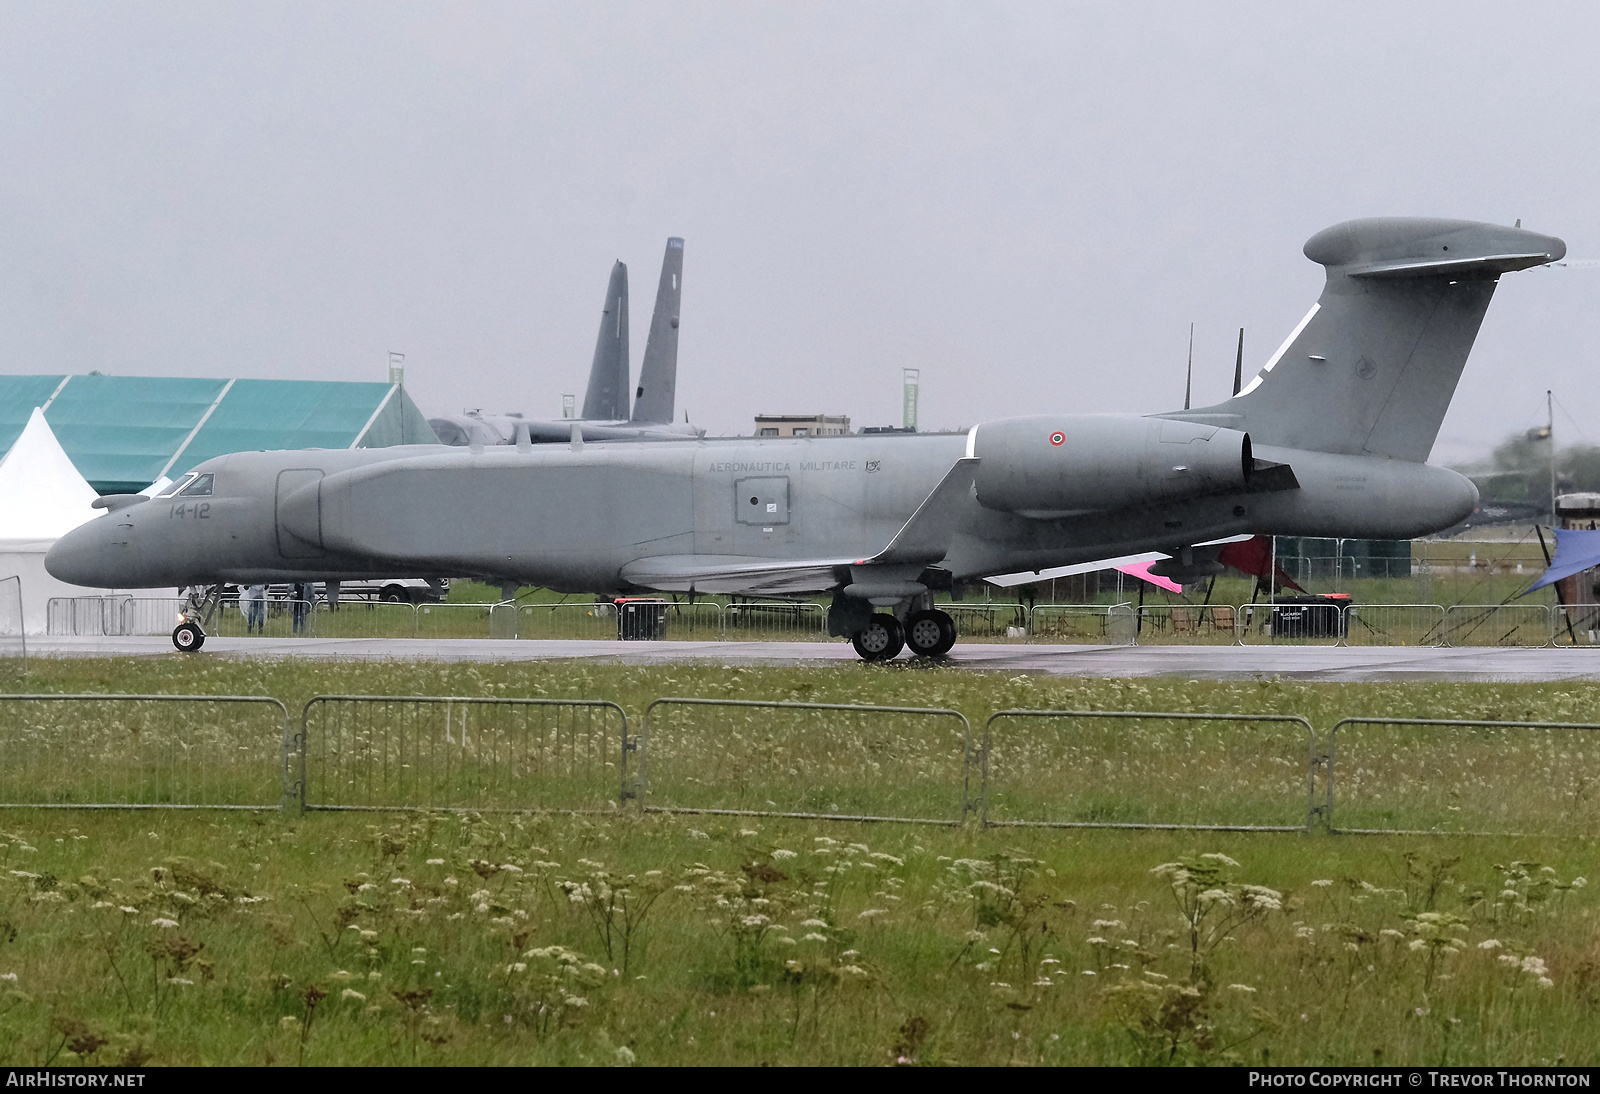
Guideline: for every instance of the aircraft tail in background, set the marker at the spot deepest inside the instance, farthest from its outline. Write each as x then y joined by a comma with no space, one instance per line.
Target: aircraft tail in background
607,398
1371,369
658,375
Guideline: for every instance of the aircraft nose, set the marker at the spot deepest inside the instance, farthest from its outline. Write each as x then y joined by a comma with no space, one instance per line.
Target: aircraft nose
87,556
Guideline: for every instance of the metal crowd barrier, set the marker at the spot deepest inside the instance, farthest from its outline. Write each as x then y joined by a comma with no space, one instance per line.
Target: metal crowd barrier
1497,625
1496,779
823,760
13,632
144,751
1097,624
1032,768
1097,771
460,752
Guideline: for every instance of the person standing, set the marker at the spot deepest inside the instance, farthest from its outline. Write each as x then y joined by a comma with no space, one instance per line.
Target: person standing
255,609
302,592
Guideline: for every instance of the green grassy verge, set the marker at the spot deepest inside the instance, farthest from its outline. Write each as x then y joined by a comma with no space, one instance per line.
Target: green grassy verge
351,938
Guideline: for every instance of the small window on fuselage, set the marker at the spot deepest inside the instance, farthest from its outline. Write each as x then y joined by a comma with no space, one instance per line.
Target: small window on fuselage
199,488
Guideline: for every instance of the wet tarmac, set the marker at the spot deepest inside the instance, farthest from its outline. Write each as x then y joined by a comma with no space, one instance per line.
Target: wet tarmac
1331,663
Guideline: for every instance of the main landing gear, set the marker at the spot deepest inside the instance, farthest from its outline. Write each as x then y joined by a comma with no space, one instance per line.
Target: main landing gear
928,633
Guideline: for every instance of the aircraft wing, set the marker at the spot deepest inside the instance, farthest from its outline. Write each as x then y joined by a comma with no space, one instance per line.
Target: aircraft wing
922,541
1006,581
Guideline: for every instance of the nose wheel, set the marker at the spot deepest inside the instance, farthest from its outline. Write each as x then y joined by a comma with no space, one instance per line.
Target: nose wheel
880,640
930,633
188,637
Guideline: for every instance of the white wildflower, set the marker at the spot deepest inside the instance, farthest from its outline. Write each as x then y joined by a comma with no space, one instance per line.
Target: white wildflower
163,922
780,854
351,993
1322,883
873,912
436,862
1489,944
1243,988
1220,858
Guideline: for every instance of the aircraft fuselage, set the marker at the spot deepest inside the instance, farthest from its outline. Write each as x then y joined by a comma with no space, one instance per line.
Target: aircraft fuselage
573,519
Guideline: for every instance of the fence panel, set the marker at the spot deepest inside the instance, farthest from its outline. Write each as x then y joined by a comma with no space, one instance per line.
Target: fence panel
697,622
143,751
775,621
278,619
989,621
1291,624
364,619
1137,769
1576,625
461,752
1394,625
13,639
460,620
1415,775
1497,625
1187,625
820,760
574,620
1097,624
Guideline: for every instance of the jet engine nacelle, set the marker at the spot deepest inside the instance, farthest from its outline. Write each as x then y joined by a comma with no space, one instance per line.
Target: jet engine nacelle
1058,465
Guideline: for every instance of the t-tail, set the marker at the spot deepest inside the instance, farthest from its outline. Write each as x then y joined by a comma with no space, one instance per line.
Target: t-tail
607,398
658,375
1371,369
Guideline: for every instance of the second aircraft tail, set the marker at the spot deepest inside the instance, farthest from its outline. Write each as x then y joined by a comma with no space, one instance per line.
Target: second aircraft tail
658,375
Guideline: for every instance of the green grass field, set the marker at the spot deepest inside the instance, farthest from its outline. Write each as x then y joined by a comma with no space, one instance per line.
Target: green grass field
665,938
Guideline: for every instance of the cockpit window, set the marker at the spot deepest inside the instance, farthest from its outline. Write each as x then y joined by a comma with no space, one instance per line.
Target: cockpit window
179,485
199,488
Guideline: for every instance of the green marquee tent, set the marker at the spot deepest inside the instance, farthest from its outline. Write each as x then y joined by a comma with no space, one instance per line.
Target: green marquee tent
125,432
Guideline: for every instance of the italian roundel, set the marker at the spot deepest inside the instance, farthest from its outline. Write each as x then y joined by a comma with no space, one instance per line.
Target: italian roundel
1058,438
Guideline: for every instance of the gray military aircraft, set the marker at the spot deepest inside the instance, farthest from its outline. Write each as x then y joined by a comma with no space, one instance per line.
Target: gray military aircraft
606,416
1328,440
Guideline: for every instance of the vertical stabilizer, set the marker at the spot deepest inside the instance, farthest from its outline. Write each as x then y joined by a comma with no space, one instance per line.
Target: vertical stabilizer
658,375
607,398
1371,369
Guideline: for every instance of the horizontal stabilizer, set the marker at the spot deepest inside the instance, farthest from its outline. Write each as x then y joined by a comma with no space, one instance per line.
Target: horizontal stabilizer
1483,266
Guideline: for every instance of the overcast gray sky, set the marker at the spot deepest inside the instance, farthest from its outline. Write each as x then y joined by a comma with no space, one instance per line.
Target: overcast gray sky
1028,202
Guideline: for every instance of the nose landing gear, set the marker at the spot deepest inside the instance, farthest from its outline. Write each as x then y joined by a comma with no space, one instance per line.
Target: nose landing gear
198,609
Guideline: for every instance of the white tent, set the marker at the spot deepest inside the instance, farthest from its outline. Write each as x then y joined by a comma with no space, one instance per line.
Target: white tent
42,498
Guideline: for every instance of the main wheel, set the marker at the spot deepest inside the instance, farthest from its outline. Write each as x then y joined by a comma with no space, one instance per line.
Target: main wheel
188,637
930,633
394,594
881,639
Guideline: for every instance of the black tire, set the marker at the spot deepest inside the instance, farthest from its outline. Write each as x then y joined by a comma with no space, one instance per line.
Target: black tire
930,633
394,594
188,638
881,640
